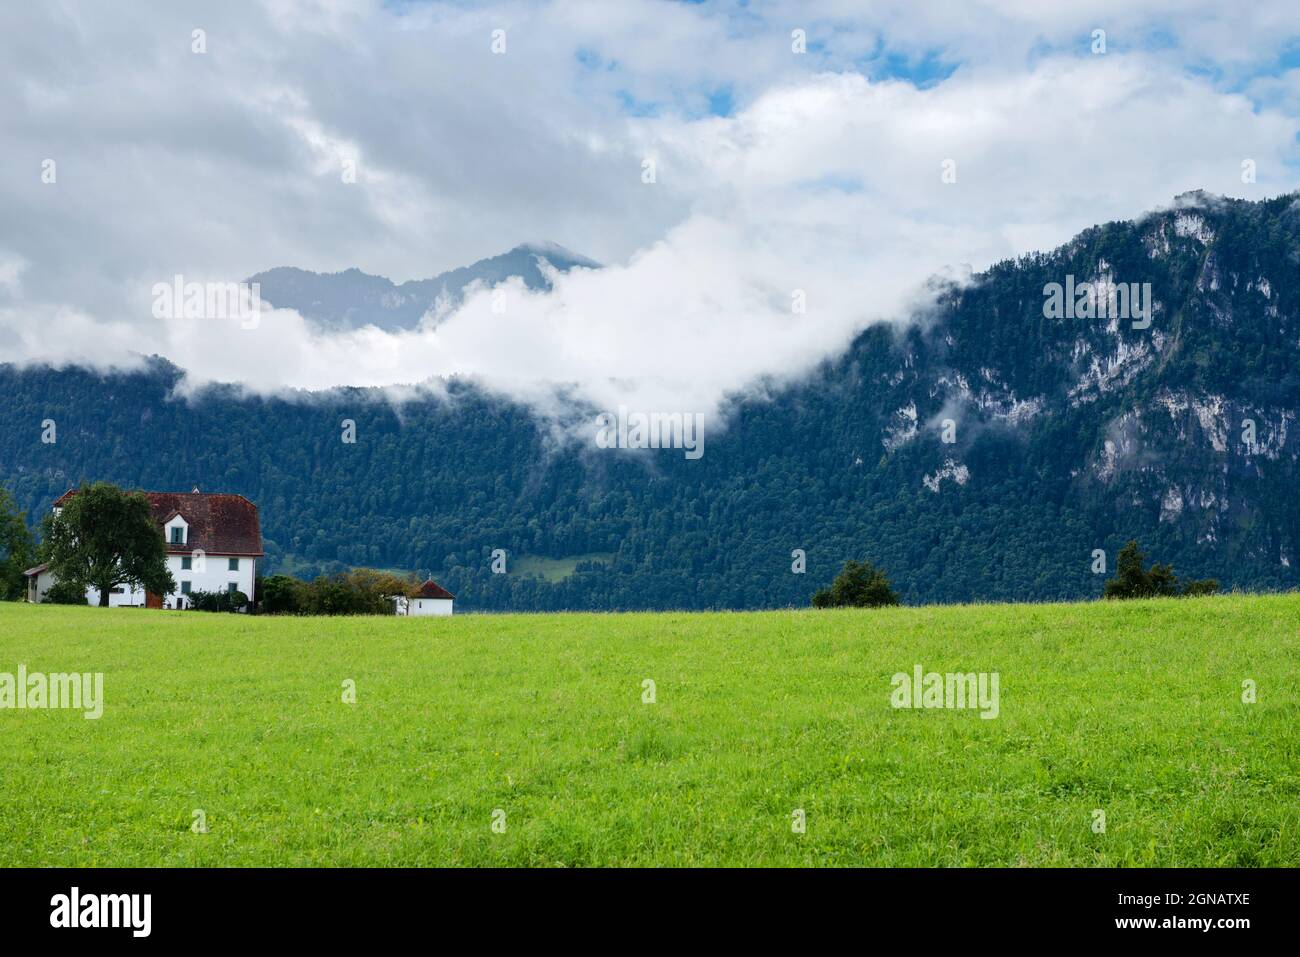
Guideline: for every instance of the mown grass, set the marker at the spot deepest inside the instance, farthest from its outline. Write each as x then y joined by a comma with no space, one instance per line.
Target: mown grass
1133,708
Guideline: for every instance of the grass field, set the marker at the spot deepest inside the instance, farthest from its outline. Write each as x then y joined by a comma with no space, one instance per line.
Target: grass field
555,569
1134,709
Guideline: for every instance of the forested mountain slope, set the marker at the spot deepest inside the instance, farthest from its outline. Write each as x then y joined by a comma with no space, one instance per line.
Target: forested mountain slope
1067,435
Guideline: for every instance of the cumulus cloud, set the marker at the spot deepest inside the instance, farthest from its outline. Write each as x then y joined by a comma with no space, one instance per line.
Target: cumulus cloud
820,185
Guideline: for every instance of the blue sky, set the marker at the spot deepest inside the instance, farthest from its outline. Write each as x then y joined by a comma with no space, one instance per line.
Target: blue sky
865,44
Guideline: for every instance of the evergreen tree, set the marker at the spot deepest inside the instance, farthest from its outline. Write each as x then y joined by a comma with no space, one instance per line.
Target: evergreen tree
1132,580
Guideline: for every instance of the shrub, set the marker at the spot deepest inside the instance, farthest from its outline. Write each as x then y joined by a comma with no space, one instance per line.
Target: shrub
360,591
858,585
218,600
66,593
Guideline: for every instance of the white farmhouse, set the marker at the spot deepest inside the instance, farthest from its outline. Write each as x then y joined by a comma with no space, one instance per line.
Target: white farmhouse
213,544
39,582
431,599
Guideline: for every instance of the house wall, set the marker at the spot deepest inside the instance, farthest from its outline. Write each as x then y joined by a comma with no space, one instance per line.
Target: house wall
213,576
210,574
116,599
430,606
43,583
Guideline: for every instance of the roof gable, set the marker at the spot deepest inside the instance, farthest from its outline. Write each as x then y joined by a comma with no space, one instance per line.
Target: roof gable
431,589
218,524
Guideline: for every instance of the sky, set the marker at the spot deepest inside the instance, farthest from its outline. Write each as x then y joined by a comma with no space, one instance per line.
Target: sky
798,153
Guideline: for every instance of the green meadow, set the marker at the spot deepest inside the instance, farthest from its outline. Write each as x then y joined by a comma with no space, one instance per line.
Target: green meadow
555,569
540,724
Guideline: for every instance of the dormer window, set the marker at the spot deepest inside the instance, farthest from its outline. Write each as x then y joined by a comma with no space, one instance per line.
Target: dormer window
177,530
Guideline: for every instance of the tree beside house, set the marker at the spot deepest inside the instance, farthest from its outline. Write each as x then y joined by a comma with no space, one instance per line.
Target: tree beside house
17,550
146,548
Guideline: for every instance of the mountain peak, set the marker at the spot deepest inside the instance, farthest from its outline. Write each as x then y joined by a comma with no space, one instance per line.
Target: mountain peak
550,250
352,298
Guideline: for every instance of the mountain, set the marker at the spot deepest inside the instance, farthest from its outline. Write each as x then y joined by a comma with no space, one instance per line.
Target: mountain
982,452
352,298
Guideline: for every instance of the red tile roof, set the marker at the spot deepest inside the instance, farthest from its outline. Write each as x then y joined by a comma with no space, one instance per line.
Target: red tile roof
431,589
219,524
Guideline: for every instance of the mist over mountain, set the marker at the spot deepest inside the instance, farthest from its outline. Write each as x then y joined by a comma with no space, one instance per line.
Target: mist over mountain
352,298
985,451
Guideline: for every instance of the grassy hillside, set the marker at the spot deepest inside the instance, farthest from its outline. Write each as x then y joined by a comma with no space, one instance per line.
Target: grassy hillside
1134,709
556,569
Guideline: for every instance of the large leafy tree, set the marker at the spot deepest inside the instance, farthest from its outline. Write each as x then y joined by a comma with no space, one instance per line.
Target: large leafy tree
105,537
280,595
17,550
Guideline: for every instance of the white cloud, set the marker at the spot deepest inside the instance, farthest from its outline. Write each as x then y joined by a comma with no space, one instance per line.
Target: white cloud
221,165
11,270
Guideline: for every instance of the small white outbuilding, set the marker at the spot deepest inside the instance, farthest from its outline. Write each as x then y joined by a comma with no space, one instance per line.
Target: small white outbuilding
431,599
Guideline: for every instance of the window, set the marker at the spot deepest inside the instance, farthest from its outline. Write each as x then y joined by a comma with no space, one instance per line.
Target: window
187,563
185,586
232,587
234,565
178,535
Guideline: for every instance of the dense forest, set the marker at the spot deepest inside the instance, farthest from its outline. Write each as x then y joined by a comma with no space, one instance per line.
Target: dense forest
981,452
